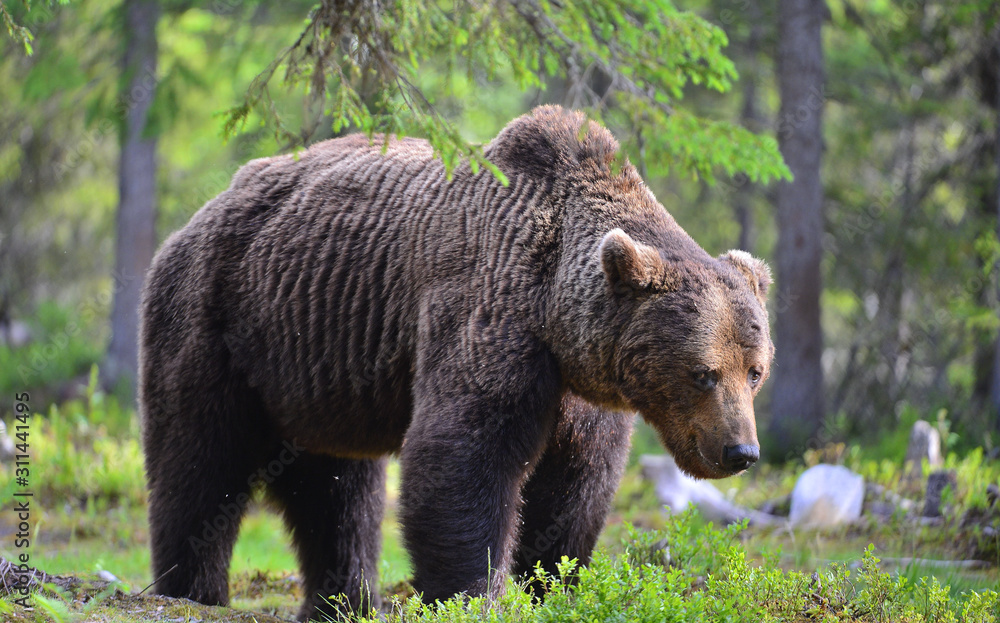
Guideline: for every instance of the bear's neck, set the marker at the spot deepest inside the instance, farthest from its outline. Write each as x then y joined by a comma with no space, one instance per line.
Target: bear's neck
584,320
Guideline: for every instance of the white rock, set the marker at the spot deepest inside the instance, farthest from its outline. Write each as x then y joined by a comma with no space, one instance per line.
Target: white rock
827,495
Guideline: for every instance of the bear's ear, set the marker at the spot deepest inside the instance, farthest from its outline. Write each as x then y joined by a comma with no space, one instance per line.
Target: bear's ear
756,271
630,266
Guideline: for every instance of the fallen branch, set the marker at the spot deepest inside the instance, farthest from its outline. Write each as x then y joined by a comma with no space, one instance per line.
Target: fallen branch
677,490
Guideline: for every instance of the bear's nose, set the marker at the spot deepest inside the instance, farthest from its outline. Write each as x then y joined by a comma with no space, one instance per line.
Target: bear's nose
738,458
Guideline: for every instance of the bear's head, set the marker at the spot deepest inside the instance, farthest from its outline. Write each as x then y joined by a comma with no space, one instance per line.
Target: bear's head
693,350
651,323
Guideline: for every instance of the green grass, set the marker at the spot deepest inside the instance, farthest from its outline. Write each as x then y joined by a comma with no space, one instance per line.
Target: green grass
689,571
75,542
263,545
117,541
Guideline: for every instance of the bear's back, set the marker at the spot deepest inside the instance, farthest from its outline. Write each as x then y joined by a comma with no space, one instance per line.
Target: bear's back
327,287
314,269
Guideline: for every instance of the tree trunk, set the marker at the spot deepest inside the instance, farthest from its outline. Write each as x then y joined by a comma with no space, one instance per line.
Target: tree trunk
995,380
744,190
797,392
750,118
136,219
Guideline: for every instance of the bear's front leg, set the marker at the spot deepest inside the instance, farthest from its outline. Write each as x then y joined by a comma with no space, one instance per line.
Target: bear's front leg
472,441
569,493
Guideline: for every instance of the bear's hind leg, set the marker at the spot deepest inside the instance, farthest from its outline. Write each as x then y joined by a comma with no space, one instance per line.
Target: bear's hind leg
201,456
569,493
333,508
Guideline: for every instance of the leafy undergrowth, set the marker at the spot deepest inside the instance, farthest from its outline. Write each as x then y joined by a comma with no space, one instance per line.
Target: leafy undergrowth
690,572
693,573
913,546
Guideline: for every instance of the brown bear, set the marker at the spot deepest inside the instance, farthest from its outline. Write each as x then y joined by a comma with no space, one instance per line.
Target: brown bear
351,302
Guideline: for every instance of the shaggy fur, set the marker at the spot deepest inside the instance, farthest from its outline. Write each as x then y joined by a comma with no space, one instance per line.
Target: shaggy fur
350,302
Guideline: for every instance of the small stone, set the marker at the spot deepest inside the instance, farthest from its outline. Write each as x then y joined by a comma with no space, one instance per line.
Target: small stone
885,502
15,334
881,508
937,482
827,495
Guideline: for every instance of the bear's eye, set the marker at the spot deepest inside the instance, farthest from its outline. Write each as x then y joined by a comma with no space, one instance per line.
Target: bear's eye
754,376
704,378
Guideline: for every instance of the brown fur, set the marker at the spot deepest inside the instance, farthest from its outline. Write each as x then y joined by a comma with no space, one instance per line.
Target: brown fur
351,302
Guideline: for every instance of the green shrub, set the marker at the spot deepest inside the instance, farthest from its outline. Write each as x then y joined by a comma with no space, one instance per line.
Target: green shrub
692,572
85,451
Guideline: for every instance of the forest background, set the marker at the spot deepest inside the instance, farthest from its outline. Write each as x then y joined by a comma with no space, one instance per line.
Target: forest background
126,118
853,145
